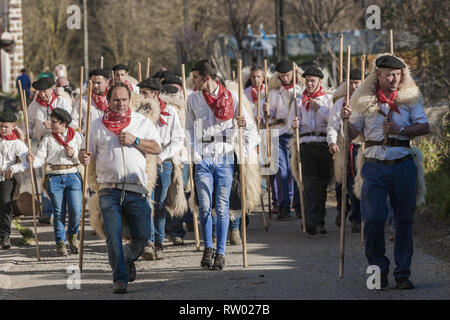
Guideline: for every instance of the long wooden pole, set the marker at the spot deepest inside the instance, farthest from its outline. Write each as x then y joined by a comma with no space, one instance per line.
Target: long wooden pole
30,151
391,41
147,71
241,167
269,141
258,123
344,173
80,110
191,171
102,62
85,179
139,72
299,162
341,58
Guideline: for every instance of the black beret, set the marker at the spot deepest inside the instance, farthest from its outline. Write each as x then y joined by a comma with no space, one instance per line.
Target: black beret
43,84
173,80
389,61
152,84
168,89
284,66
61,114
120,67
313,71
100,72
8,117
167,74
355,74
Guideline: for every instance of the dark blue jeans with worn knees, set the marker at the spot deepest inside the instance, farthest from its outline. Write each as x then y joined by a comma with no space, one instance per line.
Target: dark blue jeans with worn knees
135,208
214,180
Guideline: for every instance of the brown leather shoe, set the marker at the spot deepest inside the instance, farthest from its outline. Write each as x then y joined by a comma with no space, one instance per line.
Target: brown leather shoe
159,251
120,287
149,252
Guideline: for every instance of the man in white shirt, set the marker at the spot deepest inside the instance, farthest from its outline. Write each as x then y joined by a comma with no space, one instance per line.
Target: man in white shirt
335,130
120,73
251,92
40,109
313,108
172,140
387,109
119,142
210,124
11,149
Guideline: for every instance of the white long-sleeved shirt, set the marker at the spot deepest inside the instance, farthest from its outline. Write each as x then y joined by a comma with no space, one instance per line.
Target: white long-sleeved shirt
335,122
248,94
279,101
51,152
38,114
95,112
201,123
9,151
312,121
172,134
116,163
372,126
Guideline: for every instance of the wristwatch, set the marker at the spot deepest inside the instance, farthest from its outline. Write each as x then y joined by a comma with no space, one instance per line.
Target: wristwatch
402,130
137,142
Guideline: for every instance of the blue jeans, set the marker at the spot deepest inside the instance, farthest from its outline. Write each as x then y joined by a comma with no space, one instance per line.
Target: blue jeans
135,208
284,182
218,178
399,183
159,197
65,189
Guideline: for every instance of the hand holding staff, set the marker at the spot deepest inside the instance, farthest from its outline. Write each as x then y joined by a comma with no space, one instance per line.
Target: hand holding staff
32,176
344,172
241,167
85,178
191,177
299,162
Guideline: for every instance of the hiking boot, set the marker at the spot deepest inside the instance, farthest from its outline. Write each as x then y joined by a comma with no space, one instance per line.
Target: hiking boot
159,254
208,255
219,262
120,287
6,242
284,213
177,241
61,249
73,244
403,284
131,268
235,238
321,229
149,252
356,227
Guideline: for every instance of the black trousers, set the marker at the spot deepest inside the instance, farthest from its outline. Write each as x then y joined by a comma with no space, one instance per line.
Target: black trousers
317,166
7,188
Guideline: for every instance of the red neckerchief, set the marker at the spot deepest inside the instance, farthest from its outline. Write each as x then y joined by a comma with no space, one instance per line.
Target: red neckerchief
47,104
163,106
115,122
307,98
222,106
289,87
70,136
255,92
389,100
15,135
101,102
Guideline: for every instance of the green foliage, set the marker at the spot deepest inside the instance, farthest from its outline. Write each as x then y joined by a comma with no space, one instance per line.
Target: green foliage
26,233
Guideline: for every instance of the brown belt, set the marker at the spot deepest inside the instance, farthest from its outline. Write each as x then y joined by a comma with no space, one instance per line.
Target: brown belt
62,167
391,143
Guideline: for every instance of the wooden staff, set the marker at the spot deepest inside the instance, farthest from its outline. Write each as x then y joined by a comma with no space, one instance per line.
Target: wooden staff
341,58
85,179
269,140
391,41
191,171
101,62
234,75
241,167
80,111
258,85
344,172
147,72
32,177
299,162
140,72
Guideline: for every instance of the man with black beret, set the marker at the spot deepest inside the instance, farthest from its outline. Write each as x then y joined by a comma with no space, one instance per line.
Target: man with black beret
41,108
334,134
277,110
58,152
120,72
172,137
99,103
388,109
173,81
11,149
313,111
